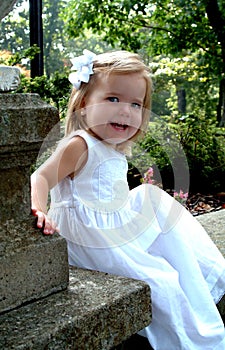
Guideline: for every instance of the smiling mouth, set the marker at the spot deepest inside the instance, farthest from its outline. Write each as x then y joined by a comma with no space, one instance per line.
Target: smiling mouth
119,126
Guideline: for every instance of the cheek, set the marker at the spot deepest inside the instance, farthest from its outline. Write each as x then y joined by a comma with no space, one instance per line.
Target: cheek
99,112
95,115
137,119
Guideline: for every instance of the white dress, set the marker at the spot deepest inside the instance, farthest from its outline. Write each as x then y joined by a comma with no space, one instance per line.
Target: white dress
144,234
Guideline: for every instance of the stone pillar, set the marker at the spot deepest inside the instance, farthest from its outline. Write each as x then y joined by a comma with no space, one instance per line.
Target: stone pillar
25,120
32,265
6,6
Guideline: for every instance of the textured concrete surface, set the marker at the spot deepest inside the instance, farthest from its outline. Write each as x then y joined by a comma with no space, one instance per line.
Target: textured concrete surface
214,224
97,312
6,6
32,265
25,121
9,78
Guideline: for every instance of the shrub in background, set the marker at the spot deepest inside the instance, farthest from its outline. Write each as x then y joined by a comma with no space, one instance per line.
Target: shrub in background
166,144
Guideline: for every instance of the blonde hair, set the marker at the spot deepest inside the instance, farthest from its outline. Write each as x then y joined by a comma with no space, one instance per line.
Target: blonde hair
117,62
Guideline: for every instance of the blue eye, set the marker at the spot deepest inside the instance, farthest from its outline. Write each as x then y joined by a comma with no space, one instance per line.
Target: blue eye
113,99
136,105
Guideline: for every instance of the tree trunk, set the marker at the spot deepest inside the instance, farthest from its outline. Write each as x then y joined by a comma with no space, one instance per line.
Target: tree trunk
181,100
221,105
217,21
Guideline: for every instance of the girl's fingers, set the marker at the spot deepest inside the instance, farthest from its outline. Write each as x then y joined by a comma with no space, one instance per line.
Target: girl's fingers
43,221
40,217
48,227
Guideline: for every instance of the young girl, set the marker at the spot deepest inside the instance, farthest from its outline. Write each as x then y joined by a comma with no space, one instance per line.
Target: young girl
143,233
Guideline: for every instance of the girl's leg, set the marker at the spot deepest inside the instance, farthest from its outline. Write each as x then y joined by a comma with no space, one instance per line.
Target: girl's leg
184,315
179,230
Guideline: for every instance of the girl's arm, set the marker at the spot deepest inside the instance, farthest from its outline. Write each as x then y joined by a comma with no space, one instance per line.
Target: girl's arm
67,160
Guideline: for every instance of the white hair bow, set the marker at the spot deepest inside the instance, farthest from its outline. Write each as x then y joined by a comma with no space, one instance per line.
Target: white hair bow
83,66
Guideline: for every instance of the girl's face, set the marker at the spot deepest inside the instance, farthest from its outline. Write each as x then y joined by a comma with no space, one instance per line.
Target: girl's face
113,109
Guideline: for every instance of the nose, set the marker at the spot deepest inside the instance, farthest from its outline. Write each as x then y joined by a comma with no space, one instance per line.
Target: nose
124,109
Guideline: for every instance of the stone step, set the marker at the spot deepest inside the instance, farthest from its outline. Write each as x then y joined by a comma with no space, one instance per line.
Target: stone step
214,224
32,265
97,311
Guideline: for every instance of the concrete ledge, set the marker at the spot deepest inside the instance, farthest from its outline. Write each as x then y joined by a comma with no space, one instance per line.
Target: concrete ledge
97,311
32,265
214,224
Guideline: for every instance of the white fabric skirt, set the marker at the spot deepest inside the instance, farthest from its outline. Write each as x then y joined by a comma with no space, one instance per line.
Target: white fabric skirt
174,255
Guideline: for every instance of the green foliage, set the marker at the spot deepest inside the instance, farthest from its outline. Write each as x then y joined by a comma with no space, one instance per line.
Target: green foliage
161,149
189,146
58,47
17,58
162,26
204,149
54,90
14,33
172,74
55,37
117,21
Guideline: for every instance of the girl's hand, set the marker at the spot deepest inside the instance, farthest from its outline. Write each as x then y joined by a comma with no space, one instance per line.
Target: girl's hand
44,222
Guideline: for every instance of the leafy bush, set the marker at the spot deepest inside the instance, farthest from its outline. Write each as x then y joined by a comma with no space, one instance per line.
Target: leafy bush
54,90
203,143
162,150
189,149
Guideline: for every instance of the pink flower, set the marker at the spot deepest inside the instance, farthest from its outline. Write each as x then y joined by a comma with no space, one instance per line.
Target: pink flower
148,179
181,196
150,172
148,176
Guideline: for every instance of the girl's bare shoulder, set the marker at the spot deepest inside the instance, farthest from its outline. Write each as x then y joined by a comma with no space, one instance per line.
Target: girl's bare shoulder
75,153
76,142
